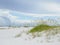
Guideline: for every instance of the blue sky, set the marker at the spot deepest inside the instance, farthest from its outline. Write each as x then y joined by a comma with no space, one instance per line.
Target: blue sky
32,6
18,10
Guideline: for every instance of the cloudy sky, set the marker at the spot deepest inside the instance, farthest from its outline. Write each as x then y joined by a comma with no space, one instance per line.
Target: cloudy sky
23,10
32,6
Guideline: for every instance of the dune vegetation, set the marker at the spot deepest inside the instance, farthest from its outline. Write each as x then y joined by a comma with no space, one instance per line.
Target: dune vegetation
48,27
44,25
41,27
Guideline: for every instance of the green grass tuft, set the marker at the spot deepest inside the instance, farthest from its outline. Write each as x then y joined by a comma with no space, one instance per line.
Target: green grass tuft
41,27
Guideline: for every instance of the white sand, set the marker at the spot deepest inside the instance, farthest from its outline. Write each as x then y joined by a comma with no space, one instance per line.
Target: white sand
7,37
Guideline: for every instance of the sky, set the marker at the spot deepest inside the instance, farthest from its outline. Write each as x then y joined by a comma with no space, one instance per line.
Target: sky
27,10
32,6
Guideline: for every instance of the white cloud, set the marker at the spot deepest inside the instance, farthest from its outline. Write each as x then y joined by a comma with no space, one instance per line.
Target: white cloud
23,21
37,15
14,19
53,7
48,6
6,13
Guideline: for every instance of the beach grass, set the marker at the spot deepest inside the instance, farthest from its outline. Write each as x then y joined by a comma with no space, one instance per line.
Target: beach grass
41,27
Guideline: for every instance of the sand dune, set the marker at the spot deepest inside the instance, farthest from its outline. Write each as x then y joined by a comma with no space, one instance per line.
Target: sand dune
8,37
